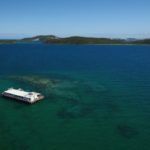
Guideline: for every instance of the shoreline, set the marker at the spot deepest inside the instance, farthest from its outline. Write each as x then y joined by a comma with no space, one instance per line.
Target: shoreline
73,44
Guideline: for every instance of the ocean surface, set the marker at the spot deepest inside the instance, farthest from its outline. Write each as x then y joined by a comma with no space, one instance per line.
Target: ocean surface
96,97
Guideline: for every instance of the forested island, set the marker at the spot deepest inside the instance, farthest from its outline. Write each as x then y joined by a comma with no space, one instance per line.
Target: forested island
8,41
51,39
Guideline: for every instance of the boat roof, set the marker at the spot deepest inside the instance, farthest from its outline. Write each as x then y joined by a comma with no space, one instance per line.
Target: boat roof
22,93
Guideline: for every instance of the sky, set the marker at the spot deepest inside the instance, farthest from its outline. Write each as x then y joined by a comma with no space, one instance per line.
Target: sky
99,18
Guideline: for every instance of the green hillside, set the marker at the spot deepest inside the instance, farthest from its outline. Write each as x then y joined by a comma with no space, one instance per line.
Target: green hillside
83,40
8,41
52,39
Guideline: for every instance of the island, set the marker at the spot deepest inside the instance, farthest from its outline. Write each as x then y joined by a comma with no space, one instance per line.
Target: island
52,39
8,41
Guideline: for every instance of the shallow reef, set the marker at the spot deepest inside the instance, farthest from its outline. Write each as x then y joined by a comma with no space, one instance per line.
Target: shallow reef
35,80
127,131
113,107
70,111
75,98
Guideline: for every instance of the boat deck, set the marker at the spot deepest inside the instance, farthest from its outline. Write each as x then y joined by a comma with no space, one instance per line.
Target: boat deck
23,96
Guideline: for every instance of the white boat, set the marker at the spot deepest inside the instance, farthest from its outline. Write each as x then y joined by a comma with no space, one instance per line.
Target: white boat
21,95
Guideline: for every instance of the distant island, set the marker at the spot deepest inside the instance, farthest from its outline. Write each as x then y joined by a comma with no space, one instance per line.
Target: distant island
51,39
8,41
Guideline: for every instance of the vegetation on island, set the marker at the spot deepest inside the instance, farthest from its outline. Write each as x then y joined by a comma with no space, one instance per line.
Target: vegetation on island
143,41
8,41
40,38
83,40
52,39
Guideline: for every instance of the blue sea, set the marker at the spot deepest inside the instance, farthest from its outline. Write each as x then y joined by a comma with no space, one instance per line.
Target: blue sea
97,97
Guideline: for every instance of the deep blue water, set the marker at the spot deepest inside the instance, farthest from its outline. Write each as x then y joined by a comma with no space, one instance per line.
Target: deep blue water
102,100
35,57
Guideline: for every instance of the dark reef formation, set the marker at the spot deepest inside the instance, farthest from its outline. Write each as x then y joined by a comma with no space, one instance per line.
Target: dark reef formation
35,80
127,131
74,98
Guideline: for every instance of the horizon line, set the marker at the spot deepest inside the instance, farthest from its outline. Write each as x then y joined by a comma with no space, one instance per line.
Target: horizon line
113,36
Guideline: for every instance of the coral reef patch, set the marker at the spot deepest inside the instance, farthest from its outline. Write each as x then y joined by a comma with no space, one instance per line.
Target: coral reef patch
127,131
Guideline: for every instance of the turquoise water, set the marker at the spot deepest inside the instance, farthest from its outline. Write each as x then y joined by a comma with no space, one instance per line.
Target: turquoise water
96,97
